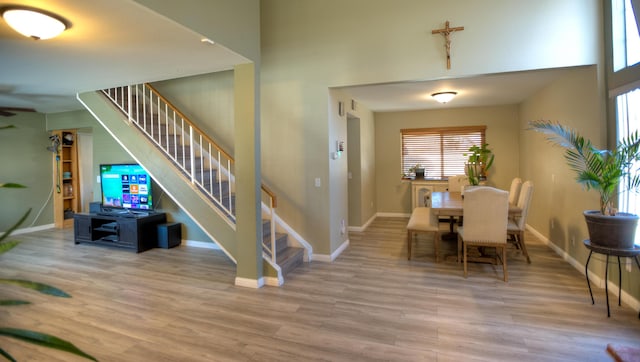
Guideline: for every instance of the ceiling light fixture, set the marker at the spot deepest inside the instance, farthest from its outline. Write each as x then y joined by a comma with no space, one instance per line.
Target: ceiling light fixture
444,97
34,23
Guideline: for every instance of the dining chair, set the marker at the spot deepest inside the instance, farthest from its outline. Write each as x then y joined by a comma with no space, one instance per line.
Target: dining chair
514,190
423,220
485,213
517,225
456,182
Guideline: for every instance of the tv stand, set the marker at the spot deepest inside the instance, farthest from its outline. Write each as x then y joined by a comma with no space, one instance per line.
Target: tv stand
137,231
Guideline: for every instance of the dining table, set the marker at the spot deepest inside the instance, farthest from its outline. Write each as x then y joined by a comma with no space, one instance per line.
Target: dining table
451,204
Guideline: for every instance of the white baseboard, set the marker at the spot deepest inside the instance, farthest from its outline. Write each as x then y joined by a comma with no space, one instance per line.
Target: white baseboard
201,244
359,229
273,281
33,229
596,280
393,214
329,258
249,283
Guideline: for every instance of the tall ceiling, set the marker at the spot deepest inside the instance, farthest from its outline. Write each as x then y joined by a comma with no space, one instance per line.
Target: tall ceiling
110,43
119,42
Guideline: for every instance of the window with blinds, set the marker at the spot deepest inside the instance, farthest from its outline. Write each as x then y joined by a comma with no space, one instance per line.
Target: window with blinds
441,151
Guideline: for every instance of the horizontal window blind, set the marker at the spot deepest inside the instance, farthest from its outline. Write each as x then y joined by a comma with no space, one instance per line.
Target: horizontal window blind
441,151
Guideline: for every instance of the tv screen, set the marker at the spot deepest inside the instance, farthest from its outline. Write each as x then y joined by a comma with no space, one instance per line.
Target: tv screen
126,186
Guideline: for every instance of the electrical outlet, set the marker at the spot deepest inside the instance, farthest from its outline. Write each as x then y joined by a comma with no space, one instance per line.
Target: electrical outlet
317,182
629,265
553,224
573,240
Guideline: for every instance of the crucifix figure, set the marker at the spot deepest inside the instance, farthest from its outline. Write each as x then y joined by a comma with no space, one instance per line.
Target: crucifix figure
446,31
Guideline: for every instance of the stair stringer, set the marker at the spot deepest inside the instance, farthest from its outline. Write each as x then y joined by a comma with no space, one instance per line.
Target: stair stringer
211,220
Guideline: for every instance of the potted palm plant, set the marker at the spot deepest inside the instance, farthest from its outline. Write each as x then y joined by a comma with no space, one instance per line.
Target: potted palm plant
26,335
606,171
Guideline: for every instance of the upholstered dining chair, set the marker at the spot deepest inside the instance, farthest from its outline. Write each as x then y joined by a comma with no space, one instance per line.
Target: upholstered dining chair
456,182
485,213
514,190
517,226
423,221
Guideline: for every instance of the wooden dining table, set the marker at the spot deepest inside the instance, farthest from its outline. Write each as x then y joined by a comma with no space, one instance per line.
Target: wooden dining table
450,204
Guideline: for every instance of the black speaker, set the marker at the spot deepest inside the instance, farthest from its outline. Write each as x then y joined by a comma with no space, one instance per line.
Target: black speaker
169,235
95,207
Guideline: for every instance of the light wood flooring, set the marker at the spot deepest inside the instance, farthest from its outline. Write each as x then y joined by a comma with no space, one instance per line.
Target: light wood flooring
370,304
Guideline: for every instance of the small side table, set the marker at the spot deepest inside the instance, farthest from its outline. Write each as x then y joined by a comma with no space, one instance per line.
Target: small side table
626,253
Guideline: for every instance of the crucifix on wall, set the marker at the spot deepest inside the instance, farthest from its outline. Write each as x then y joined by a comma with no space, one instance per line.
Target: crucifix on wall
446,31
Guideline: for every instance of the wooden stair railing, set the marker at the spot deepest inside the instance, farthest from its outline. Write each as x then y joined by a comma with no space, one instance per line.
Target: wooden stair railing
199,157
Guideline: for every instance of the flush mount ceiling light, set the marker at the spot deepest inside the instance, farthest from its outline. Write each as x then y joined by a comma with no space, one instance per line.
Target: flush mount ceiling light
34,23
444,97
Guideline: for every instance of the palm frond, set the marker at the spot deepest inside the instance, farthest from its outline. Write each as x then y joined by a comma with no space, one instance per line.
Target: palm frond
39,287
9,302
43,339
12,185
6,355
8,245
15,226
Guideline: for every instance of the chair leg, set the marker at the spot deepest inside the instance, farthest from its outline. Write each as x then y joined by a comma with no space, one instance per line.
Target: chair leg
464,252
523,246
504,262
459,250
436,245
409,241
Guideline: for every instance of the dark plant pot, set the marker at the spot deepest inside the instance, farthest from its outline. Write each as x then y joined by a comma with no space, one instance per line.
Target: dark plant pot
617,232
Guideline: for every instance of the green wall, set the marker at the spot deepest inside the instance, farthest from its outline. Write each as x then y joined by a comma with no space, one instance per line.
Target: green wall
394,195
24,159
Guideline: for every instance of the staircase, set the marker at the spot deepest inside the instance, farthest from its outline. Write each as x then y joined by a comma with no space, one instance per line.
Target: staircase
205,165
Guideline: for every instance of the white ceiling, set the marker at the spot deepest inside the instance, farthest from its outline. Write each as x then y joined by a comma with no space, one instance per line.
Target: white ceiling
119,42
484,90
110,43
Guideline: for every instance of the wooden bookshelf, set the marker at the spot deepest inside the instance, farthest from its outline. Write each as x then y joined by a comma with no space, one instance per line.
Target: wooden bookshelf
66,200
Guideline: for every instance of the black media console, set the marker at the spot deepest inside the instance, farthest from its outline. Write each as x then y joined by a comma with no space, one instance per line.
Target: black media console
136,231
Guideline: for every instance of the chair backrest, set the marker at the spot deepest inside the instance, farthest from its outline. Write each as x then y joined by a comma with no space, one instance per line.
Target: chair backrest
514,190
524,200
485,210
456,182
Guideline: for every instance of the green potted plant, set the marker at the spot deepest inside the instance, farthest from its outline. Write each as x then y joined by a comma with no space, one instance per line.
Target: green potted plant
606,171
418,170
479,161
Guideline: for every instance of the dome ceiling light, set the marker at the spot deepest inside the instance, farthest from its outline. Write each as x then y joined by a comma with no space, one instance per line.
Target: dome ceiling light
444,97
34,23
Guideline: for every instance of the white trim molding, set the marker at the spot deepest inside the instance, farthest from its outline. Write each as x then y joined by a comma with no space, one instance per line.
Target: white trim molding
249,283
329,258
33,229
595,279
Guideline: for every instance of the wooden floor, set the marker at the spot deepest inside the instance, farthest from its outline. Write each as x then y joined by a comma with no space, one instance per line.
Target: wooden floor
371,304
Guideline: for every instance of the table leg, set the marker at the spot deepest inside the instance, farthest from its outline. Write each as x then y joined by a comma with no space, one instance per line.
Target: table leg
606,285
637,262
619,282
586,273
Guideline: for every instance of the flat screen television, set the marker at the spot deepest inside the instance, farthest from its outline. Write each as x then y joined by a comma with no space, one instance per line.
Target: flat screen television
126,186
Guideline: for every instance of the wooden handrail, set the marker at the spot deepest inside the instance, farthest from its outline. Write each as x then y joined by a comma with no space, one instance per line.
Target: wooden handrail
191,124
264,188
274,199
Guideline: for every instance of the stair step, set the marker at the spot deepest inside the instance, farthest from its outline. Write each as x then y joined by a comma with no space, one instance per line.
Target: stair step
290,258
281,242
